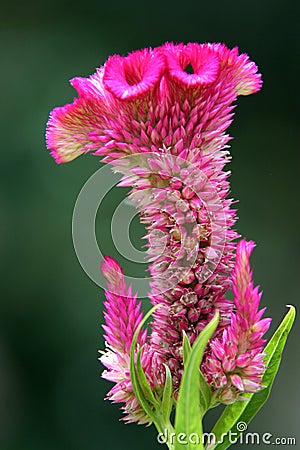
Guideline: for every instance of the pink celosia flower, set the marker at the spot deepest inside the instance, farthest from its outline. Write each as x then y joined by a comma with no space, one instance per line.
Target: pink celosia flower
122,316
235,362
171,127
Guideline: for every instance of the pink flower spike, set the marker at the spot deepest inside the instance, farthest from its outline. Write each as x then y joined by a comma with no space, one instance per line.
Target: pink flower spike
241,350
131,77
242,275
114,276
122,317
202,60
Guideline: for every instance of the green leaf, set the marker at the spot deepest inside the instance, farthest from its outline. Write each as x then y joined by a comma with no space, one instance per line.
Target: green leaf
139,393
136,384
151,406
167,400
205,394
188,420
148,394
186,346
205,391
245,411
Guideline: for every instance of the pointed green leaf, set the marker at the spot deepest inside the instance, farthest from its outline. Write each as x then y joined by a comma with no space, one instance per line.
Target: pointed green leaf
167,400
186,347
205,394
245,411
142,389
188,421
148,394
137,389
139,392
205,391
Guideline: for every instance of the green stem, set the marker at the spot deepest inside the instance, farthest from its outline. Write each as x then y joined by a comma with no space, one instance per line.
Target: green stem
166,433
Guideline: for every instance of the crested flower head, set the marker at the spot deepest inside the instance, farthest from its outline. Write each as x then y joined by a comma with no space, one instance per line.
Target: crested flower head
124,108
159,116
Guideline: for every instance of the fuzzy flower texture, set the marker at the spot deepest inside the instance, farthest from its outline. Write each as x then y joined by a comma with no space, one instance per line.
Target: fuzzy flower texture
159,117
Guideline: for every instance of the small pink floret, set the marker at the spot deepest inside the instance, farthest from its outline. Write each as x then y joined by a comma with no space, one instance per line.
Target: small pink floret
132,76
201,59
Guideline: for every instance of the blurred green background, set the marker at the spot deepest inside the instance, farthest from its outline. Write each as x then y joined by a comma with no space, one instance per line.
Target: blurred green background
51,393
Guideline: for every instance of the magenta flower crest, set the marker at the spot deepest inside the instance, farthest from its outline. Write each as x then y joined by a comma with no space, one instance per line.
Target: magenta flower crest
203,60
131,77
160,117
124,107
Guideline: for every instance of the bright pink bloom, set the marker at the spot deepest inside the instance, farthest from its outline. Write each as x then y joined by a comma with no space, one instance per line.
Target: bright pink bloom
110,118
235,362
203,61
122,316
131,77
172,125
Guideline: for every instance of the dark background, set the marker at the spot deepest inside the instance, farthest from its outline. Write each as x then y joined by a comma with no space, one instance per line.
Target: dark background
51,393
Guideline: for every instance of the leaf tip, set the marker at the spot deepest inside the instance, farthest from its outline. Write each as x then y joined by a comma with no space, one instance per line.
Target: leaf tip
292,311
